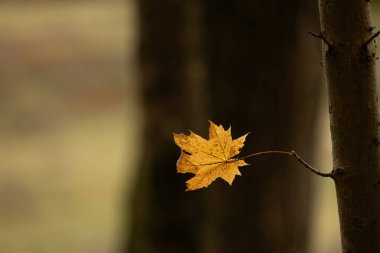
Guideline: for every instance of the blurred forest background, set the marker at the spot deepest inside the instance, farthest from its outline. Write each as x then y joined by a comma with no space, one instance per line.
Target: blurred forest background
90,92
69,124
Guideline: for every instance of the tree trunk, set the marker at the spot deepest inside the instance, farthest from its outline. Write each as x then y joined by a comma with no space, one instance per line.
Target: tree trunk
166,219
350,74
256,81
259,84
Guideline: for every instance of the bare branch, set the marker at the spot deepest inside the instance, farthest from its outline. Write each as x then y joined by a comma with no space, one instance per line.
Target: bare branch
331,174
311,168
320,36
371,39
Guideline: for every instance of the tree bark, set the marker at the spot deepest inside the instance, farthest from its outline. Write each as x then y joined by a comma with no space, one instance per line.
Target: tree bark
349,66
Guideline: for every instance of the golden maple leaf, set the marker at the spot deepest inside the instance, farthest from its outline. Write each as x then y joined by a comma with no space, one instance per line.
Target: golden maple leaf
209,159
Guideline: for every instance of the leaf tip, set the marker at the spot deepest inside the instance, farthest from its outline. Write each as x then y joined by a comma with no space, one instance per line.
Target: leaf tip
189,188
212,124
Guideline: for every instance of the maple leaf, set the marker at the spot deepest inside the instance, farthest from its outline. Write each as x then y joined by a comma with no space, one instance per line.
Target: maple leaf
209,159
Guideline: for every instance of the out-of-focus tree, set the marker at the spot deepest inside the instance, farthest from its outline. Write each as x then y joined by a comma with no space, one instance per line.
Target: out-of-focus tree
238,62
262,79
165,218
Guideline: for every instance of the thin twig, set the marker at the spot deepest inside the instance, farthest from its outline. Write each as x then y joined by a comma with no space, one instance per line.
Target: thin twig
311,168
371,38
299,159
320,36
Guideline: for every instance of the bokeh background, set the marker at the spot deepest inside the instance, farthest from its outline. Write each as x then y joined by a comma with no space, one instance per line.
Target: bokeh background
90,92
69,124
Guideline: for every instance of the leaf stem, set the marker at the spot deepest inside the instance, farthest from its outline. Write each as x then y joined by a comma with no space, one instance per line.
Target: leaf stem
331,174
266,152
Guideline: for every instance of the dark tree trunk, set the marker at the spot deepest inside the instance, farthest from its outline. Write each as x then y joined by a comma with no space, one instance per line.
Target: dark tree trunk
257,84
255,69
165,218
350,74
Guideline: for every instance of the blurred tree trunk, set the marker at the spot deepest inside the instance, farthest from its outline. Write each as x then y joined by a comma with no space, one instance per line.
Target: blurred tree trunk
262,79
165,218
256,70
